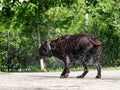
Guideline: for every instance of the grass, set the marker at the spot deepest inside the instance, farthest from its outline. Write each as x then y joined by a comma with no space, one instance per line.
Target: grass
73,69
111,68
1,72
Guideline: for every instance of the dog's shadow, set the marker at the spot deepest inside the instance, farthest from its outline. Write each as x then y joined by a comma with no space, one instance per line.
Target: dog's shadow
74,77
52,77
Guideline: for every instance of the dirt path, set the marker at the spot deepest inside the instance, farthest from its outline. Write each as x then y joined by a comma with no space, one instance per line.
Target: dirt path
51,81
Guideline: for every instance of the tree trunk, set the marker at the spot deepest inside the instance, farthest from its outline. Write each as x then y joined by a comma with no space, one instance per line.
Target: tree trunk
8,61
42,65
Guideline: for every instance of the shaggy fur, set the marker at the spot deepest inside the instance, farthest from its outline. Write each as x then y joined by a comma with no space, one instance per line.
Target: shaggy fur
68,48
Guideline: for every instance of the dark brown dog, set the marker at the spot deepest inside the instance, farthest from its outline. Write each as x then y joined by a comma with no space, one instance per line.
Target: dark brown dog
82,47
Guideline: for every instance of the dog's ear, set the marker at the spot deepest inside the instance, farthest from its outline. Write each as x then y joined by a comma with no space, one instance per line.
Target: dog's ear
53,45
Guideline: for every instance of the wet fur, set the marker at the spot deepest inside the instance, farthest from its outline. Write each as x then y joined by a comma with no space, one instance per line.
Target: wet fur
68,48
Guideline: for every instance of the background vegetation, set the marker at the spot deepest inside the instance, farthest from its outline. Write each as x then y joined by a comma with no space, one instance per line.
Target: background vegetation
20,21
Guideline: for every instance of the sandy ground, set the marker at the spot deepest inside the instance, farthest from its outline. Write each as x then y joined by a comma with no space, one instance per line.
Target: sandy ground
50,81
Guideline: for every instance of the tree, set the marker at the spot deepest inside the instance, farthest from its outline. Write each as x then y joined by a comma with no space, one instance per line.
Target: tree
53,18
22,17
105,23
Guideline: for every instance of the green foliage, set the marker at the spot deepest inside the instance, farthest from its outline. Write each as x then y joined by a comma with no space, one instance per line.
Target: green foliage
105,23
61,20
55,18
33,68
